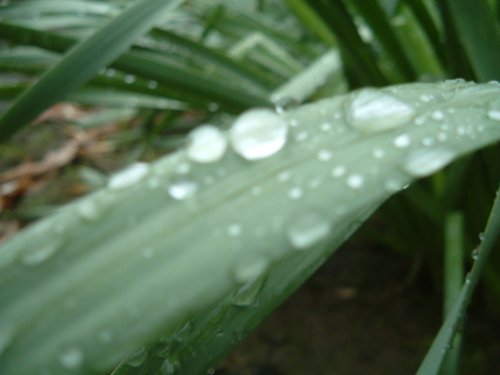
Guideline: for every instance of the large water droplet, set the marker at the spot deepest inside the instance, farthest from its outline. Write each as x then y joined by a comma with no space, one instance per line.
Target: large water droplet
128,176
71,358
307,229
182,189
373,111
422,163
138,357
37,254
258,134
207,144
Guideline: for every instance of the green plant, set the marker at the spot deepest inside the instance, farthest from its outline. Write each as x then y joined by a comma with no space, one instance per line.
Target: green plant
175,261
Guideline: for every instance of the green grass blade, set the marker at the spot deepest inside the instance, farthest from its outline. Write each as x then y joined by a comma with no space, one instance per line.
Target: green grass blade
379,23
442,343
81,63
481,44
186,249
453,280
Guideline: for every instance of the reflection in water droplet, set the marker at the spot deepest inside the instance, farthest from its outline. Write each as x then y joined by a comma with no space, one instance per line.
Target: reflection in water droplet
324,155
182,189
424,162
71,358
373,111
128,176
437,115
307,229
206,144
37,254
258,134
295,193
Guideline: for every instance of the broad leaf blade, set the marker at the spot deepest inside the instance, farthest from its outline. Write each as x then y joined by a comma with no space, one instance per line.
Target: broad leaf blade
191,249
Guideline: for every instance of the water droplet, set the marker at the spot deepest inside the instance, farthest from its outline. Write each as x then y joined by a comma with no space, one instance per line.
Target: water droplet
206,144
284,176
258,134
284,104
307,229
481,236
494,114
234,230
437,115
37,254
421,163
89,209
129,78
475,253
128,176
303,135
295,193
248,269
182,168
428,141
338,171
71,358
326,126
168,367
182,189
393,185
374,111
402,141
325,155
152,85
355,181
138,357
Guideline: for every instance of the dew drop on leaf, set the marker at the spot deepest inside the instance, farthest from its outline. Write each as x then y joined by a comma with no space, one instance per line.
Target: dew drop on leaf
421,163
355,181
258,134
206,144
307,229
248,269
402,141
71,358
128,176
373,111
182,189
138,357
35,255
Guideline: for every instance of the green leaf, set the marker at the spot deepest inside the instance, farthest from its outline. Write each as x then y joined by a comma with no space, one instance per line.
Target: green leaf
482,44
200,252
82,62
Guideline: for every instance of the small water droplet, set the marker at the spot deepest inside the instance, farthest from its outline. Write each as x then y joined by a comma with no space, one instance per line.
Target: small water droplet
481,236
71,358
168,367
89,209
37,254
421,163
402,141
325,155
234,230
138,357
308,229
152,85
206,144
128,176
373,111
258,134
301,136
338,171
284,104
326,126
295,193
182,168
284,176
494,114
475,253
437,115
129,78
182,189
355,181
